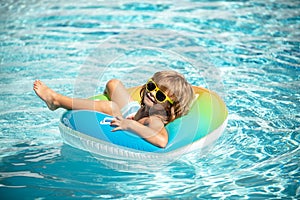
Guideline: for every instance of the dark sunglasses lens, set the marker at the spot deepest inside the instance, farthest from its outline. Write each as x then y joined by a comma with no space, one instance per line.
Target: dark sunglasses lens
160,96
150,86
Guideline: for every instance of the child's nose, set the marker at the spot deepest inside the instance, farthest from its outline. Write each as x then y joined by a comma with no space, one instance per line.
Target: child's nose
153,93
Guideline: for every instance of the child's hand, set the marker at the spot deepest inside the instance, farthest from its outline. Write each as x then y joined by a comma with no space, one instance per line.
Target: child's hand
120,123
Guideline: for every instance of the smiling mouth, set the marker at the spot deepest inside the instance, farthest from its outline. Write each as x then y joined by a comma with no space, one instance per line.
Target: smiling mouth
150,97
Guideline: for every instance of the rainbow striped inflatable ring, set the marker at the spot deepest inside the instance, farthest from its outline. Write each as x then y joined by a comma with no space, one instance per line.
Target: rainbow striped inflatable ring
91,131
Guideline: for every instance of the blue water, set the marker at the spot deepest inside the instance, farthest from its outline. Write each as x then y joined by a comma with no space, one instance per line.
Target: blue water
246,51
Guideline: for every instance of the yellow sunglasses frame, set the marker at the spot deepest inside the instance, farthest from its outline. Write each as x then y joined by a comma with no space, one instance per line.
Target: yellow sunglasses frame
158,89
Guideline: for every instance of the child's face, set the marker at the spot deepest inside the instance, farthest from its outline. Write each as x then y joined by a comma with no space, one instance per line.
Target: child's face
150,101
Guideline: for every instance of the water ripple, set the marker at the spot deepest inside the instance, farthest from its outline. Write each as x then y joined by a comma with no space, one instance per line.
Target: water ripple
247,51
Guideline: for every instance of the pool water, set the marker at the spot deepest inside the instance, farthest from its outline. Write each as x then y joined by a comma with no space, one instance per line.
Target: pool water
246,51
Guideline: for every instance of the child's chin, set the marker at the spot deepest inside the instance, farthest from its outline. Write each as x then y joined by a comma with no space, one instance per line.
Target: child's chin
148,102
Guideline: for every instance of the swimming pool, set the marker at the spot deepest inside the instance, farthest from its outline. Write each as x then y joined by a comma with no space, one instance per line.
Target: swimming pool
246,51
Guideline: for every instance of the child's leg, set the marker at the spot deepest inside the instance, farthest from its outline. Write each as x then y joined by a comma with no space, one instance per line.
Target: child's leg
118,93
55,100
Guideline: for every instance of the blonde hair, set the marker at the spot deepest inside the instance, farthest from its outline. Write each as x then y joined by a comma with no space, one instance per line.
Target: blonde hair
177,88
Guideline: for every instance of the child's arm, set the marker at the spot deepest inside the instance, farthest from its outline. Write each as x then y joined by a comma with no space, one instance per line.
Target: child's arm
151,129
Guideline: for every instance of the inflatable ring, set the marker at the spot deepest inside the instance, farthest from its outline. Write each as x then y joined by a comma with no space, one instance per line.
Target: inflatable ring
91,131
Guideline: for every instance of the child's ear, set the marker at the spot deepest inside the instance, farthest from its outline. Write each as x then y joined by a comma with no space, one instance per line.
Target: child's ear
172,112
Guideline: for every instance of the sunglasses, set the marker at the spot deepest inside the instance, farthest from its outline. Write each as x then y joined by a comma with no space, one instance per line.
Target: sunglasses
160,96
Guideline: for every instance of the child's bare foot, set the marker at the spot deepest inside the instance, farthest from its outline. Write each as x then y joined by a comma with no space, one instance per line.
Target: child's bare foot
46,94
